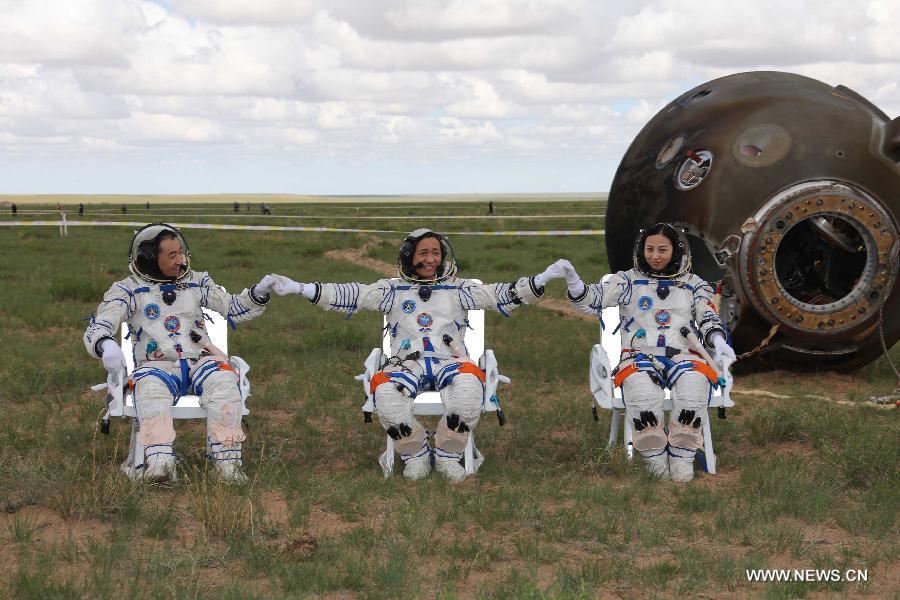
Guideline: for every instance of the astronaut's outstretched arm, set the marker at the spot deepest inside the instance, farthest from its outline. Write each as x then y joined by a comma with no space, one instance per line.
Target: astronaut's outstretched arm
247,305
593,298
502,297
343,297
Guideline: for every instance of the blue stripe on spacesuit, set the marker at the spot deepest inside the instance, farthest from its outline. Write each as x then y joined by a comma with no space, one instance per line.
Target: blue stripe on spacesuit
625,294
204,291
170,380
185,376
387,299
410,383
346,296
100,324
680,452
504,297
467,298
203,374
237,309
429,375
446,375
665,283
672,371
434,287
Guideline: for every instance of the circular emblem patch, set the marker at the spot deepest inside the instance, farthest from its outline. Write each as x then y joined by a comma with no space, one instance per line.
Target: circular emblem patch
424,320
408,306
645,303
151,311
663,317
172,324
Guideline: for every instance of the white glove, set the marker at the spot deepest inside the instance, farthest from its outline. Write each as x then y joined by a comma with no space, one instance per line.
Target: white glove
555,271
724,356
113,359
573,282
281,285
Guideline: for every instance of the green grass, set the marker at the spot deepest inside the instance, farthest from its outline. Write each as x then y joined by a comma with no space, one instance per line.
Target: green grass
551,514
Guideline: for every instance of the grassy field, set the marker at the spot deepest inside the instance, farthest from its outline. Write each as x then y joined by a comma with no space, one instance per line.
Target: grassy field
806,482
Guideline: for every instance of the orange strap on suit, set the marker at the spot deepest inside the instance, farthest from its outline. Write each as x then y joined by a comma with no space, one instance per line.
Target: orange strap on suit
704,369
624,373
379,378
467,367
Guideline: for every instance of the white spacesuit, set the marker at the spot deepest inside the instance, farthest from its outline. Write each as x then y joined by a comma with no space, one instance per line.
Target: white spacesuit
659,313
427,320
161,302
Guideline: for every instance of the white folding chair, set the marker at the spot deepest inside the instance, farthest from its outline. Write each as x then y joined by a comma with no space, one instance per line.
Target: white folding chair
120,400
429,403
612,344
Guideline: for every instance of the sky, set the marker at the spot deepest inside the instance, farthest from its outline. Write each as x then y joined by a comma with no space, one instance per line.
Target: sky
387,96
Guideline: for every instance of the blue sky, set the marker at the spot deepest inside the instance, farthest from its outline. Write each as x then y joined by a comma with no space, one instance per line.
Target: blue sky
397,96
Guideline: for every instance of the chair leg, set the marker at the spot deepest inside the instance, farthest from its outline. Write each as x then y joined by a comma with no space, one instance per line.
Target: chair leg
629,447
614,427
708,446
386,460
469,454
136,452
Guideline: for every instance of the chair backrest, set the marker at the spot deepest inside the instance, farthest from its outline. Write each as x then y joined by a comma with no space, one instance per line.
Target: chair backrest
216,327
612,342
474,339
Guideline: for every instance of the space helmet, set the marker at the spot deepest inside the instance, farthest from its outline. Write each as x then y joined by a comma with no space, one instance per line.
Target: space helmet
681,252
407,270
143,252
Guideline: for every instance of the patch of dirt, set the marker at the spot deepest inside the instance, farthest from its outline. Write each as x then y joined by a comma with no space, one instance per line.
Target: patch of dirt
300,548
321,523
794,449
358,256
50,529
276,507
53,529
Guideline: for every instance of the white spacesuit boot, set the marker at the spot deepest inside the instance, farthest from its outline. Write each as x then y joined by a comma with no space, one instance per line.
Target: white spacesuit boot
159,462
418,465
462,399
689,398
216,384
395,411
153,402
643,405
227,460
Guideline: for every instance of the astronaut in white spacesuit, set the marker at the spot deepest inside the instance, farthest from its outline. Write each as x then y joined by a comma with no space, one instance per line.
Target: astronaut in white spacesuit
661,305
161,302
426,309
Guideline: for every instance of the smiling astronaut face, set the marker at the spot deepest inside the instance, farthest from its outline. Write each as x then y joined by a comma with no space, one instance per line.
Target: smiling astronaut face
427,257
171,259
657,251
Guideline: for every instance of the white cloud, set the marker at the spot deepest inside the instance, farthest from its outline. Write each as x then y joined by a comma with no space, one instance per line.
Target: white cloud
416,80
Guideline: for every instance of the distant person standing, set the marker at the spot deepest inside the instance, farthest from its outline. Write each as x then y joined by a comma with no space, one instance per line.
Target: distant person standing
265,209
81,209
58,207
15,209
248,206
148,205
124,210
237,207
491,207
